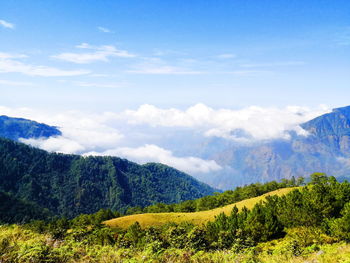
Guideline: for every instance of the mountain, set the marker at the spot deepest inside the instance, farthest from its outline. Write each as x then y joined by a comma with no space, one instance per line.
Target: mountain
68,185
332,129
326,149
15,128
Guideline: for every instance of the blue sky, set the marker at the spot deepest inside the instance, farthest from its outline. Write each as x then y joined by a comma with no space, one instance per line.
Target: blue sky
117,55
158,80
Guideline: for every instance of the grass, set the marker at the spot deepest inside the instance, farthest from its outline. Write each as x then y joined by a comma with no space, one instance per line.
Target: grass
197,218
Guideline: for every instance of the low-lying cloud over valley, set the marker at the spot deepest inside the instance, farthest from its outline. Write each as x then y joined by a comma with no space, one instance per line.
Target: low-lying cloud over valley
143,134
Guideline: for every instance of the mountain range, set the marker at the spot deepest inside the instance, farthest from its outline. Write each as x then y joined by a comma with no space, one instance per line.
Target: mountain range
16,128
325,148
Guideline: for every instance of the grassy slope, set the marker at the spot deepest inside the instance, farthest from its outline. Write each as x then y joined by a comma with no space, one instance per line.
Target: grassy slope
197,218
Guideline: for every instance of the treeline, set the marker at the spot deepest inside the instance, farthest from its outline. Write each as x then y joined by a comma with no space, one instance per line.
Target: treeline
219,199
324,204
15,128
308,217
69,185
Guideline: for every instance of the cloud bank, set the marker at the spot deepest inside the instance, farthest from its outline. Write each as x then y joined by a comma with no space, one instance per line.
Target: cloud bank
139,135
154,153
261,123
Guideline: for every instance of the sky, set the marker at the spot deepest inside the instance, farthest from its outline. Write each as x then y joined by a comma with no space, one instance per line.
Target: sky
114,55
147,80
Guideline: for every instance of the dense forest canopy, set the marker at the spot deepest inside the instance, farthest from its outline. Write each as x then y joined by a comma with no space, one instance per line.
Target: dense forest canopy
16,128
304,221
69,185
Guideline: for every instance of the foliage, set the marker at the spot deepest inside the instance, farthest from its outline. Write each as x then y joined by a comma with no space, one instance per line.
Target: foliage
15,128
69,185
269,232
219,199
197,218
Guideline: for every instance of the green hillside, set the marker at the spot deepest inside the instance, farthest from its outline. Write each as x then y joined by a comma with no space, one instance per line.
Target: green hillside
69,185
308,224
16,128
196,218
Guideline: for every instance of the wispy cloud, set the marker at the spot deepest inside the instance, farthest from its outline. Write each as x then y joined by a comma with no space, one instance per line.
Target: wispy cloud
163,70
10,55
8,64
226,56
14,83
162,52
158,66
104,29
6,24
100,53
99,85
250,73
273,64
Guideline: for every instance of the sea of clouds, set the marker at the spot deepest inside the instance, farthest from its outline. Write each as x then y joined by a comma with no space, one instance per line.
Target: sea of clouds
142,134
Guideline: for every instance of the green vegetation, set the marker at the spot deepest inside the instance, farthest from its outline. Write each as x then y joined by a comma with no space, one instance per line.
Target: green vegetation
218,199
15,128
196,218
69,185
308,223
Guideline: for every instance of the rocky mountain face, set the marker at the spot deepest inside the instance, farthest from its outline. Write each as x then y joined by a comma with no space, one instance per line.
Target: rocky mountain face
332,129
326,149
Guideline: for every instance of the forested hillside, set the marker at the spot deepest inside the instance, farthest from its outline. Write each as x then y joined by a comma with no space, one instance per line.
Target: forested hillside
15,128
68,185
308,224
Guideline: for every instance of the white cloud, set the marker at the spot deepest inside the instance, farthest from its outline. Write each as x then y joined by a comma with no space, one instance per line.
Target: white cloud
273,64
260,123
8,64
99,85
6,24
81,132
14,83
226,56
251,73
153,153
10,56
100,53
146,134
163,70
158,66
56,144
104,29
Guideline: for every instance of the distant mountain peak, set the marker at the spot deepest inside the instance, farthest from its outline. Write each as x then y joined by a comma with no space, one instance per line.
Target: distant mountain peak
333,129
343,110
15,128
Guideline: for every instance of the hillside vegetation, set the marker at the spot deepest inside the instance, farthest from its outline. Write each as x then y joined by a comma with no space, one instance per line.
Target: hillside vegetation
196,218
16,128
309,224
69,185
21,245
